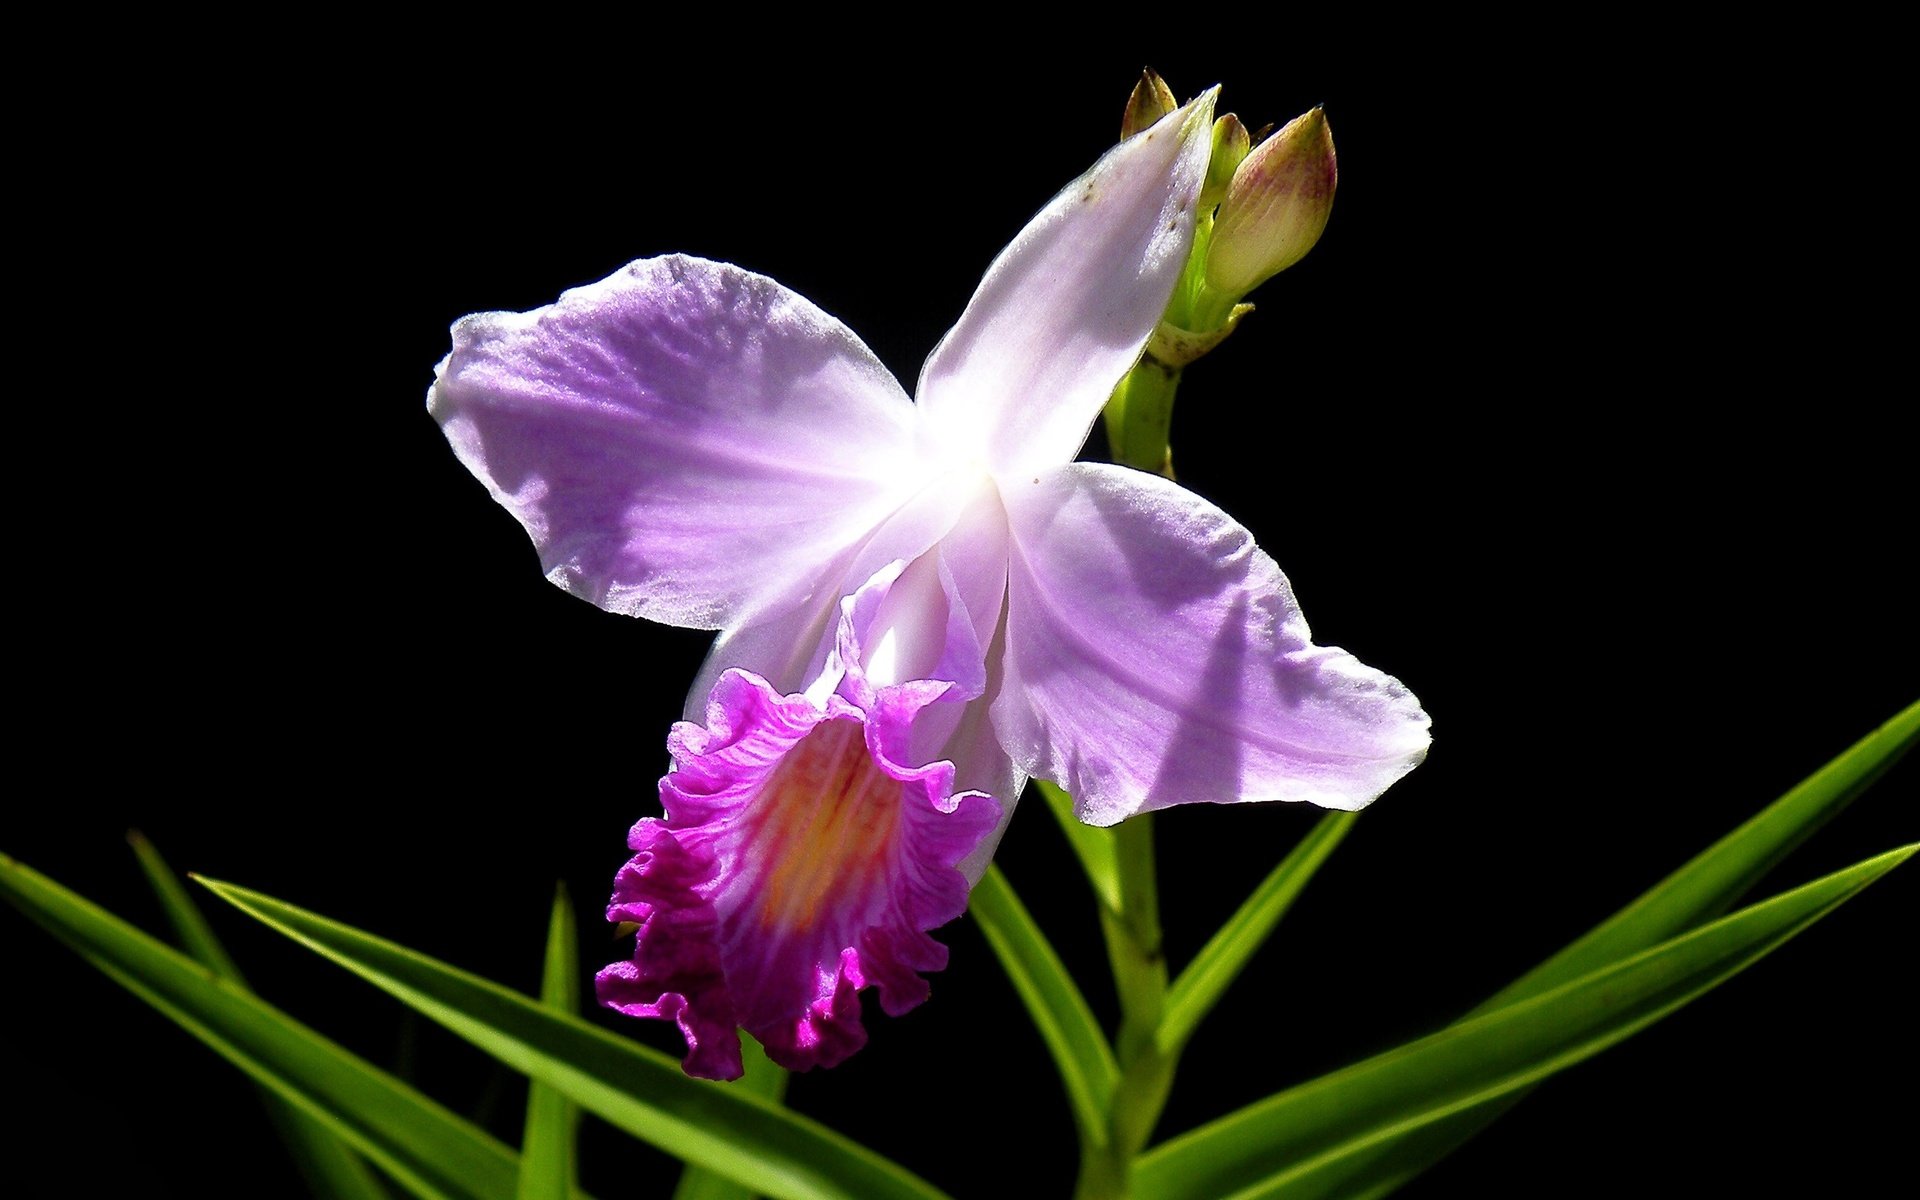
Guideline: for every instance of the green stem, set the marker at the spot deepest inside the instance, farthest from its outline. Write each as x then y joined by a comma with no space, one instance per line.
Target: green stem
1140,413
1141,410
1132,932
1137,419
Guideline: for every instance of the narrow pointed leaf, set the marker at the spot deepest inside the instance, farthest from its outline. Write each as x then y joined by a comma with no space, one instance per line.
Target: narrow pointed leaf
1698,891
421,1145
330,1167
1710,884
764,1078
1080,1051
1200,986
1263,1149
1093,847
641,1091
546,1146
189,923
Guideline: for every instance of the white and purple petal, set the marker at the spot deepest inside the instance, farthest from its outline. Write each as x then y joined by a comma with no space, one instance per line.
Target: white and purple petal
787,641
799,861
888,626
1065,309
1155,656
684,440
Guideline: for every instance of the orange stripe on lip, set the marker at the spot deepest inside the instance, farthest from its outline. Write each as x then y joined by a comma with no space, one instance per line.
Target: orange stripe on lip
824,823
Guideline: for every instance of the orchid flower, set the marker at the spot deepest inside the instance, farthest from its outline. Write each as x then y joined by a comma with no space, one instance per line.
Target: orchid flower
921,602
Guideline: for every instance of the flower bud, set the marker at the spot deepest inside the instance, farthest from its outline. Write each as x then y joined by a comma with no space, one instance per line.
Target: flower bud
1151,100
1230,146
1275,207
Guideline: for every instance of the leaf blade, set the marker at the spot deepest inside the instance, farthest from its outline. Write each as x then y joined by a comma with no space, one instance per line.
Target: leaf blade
1093,847
414,1140
764,1078
189,923
331,1168
1719,875
638,1090
1264,1149
1066,1024
1219,962
546,1144
1699,890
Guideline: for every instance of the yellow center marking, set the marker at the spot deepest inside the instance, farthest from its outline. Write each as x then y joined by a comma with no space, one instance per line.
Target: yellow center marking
824,822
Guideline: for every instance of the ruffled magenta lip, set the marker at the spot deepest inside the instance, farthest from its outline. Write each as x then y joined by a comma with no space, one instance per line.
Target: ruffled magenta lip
798,863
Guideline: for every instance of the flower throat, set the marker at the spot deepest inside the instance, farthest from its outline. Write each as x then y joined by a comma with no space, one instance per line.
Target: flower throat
824,820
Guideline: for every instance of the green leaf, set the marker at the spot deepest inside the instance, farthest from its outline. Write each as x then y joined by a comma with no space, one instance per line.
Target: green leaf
1093,847
420,1144
764,1078
546,1146
330,1168
1709,884
189,924
641,1091
1696,892
1264,1149
1200,986
1059,1011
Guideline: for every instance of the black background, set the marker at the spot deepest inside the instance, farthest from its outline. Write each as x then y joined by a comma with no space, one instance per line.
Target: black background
1582,420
